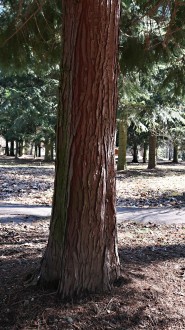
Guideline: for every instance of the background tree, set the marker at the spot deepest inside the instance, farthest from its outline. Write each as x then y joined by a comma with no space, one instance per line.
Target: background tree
177,138
129,108
156,31
28,109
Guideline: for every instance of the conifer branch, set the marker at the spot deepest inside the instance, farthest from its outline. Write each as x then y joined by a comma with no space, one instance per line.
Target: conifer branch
19,28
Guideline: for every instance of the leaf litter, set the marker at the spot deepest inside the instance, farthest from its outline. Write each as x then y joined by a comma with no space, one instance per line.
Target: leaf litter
137,187
149,295
162,187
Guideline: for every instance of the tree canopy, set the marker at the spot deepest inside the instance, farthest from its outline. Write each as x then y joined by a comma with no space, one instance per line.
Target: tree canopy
30,34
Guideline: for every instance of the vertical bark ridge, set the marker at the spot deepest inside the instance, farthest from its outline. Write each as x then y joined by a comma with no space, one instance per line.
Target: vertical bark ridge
84,197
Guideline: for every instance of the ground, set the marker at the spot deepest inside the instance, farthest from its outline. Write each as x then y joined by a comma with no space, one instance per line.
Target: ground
151,291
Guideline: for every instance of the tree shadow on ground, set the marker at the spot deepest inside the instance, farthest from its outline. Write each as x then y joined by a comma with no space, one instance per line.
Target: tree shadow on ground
26,170
146,173
176,200
29,160
127,306
152,253
26,219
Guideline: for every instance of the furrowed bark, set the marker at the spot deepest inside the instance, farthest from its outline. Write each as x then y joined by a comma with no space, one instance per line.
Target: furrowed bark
82,249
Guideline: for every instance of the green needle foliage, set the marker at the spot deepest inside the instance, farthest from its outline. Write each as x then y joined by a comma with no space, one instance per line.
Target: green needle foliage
152,32
28,107
29,34
152,44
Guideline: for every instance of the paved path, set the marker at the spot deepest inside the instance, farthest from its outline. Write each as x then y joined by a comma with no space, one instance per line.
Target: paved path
19,209
162,215
22,213
165,215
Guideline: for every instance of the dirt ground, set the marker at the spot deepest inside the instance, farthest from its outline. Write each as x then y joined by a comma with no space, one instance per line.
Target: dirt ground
151,292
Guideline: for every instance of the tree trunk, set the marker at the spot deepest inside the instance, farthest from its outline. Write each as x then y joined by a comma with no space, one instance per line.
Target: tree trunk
21,148
32,150
7,152
16,149
152,151
81,254
12,148
170,150
47,157
52,150
35,152
145,146
175,153
39,150
122,163
135,154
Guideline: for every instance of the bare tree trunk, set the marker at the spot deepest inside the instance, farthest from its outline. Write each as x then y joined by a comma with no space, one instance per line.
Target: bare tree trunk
135,154
39,150
52,150
152,151
175,153
122,163
7,151
12,148
81,254
16,149
145,146
47,150
32,150
170,150
21,148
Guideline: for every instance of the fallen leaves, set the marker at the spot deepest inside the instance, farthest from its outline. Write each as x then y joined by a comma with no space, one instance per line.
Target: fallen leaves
139,187
27,185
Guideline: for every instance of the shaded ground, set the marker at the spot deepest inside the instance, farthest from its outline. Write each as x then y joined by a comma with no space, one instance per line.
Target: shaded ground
151,293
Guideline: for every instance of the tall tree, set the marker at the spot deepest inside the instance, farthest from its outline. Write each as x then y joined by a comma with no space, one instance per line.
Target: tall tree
152,150
129,108
123,126
81,254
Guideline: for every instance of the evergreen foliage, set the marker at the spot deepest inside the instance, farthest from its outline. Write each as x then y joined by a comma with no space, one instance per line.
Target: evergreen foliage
151,44
29,34
28,107
153,32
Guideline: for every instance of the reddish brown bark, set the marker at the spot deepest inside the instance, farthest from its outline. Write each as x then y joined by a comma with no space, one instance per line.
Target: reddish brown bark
82,249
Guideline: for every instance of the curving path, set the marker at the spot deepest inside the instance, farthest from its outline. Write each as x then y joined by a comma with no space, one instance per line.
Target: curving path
163,215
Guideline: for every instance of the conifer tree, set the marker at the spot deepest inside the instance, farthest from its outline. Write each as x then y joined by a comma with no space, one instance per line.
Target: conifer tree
81,254
82,249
